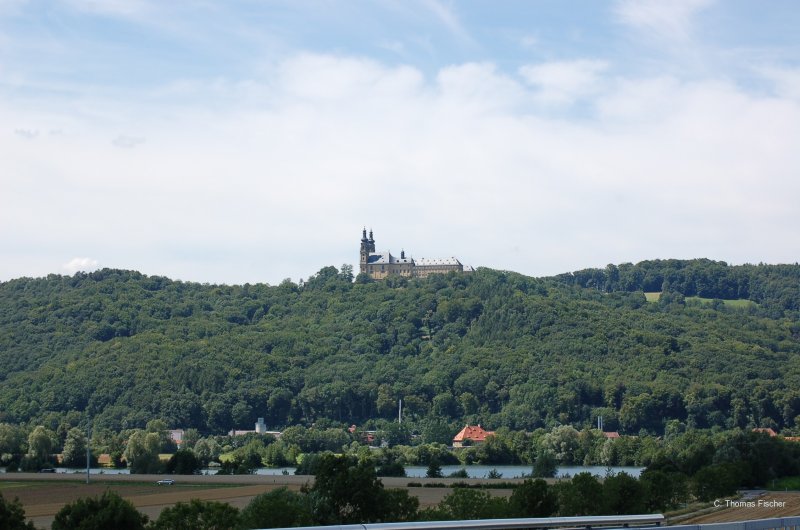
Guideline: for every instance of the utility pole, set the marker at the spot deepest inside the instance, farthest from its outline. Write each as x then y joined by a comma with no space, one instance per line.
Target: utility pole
400,411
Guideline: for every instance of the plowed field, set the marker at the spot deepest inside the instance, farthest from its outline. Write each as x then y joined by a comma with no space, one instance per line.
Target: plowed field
766,506
43,496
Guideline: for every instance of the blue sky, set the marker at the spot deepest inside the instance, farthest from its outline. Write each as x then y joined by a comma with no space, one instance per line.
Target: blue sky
250,141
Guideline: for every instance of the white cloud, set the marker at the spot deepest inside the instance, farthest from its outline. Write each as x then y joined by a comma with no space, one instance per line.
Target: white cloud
477,87
119,8
127,142
666,20
11,7
326,78
529,41
28,134
395,46
448,17
786,81
262,179
80,264
562,82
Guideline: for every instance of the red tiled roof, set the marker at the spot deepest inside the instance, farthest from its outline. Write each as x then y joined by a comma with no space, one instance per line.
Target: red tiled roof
612,434
766,430
473,433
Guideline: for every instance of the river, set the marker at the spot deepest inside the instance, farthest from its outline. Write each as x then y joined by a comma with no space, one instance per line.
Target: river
474,471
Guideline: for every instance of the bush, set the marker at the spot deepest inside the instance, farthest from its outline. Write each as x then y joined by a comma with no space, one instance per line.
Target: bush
240,465
147,464
434,470
712,482
624,495
664,490
309,463
33,464
465,503
583,495
12,516
533,498
198,515
347,490
183,462
545,465
99,513
391,469
280,508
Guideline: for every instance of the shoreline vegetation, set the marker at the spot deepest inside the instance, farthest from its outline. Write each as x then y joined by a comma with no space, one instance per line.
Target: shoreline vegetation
677,473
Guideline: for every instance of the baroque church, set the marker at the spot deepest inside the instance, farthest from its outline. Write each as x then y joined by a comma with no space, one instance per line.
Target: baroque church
381,264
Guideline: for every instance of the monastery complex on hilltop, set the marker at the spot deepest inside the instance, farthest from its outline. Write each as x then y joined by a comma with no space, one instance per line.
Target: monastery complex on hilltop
379,265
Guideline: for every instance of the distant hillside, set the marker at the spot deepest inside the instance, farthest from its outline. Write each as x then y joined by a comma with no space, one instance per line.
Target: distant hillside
776,286
492,347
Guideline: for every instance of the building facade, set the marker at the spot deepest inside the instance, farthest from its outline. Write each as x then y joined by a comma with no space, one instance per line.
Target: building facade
379,265
471,435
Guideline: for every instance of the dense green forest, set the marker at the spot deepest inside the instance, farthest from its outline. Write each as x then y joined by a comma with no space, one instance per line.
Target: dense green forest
774,286
495,348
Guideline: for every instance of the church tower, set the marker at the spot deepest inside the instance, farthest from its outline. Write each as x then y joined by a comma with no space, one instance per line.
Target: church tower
365,248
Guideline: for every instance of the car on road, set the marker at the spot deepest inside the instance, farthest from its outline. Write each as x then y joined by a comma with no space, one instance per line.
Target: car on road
165,482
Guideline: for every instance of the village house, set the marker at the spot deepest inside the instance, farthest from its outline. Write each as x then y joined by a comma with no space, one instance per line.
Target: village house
261,428
177,436
767,431
471,435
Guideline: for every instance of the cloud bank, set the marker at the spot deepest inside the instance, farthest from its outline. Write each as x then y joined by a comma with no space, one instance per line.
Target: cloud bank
282,179
556,164
80,265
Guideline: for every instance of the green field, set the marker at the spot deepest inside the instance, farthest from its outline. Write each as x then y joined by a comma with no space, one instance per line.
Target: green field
7,485
739,304
784,484
10,485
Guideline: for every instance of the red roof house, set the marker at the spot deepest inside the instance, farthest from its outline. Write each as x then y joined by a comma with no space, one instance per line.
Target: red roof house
766,430
473,434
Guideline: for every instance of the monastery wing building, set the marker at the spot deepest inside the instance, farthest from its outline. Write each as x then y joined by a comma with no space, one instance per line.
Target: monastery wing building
381,264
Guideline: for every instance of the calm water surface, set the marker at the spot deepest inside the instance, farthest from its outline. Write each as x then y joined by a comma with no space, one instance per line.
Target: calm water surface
412,471
483,471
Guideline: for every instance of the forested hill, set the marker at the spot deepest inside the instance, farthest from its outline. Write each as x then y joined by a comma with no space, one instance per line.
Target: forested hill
495,348
775,286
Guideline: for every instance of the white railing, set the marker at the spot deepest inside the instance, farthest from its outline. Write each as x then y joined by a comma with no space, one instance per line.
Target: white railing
599,521
785,523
